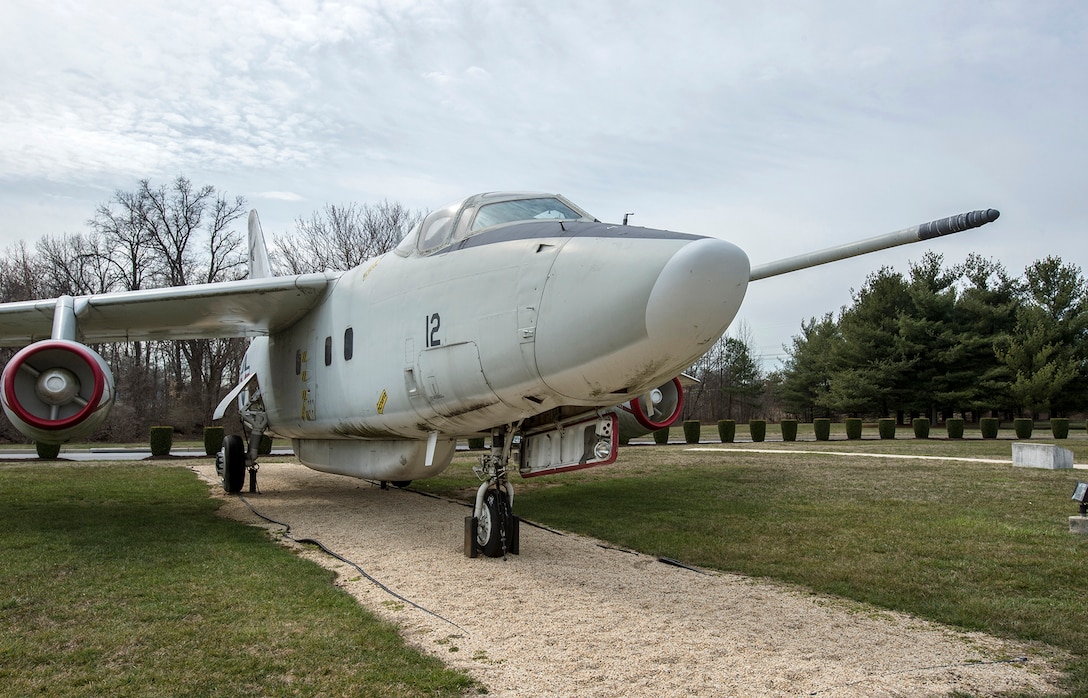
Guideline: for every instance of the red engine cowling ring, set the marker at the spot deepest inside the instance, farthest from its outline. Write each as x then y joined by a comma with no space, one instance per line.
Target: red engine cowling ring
86,362
635,407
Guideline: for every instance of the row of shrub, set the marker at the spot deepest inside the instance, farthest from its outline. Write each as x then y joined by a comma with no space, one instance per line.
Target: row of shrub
162,440
886,428
162,437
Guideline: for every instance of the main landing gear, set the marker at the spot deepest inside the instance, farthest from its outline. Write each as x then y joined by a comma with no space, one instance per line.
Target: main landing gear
493,529
230,463
234,459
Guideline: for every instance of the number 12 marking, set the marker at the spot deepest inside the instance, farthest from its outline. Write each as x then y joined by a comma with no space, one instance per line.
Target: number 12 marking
430,336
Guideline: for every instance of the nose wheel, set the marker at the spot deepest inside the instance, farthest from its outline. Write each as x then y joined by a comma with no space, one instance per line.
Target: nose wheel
496,527
493,529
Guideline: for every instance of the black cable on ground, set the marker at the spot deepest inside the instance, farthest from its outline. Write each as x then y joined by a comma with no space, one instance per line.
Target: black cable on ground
604,546
957,665
341,558
681,565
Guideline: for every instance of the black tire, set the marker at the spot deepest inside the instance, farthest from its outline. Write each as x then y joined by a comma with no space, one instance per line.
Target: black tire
400,483
234,464
495,526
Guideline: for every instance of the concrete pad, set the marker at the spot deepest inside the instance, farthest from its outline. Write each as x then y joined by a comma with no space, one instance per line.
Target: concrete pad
1079,525
1045,456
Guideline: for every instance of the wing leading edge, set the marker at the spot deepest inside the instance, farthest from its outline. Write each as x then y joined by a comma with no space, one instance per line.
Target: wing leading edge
246,308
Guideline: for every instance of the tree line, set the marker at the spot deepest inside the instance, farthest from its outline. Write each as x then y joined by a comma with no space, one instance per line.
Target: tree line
179,234
966,339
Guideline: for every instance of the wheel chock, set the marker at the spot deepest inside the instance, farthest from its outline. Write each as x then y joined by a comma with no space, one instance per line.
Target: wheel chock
515,534
471,548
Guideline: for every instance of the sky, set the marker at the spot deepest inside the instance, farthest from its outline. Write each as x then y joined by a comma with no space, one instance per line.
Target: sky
782,127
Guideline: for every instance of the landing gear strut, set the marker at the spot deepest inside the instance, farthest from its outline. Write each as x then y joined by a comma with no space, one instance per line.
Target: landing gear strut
493,529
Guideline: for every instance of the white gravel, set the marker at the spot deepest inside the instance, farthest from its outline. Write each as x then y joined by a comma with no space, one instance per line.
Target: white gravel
570,617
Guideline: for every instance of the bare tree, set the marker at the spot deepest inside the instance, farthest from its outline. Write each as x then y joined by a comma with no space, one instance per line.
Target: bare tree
730,380
173,218
20,274
120,222
339,238
76,264
176,235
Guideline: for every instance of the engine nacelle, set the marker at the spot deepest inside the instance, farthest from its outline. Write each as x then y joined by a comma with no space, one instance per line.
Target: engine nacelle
56,390
655,410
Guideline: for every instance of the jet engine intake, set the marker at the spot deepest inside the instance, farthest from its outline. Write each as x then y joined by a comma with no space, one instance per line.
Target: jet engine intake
56,390
657,409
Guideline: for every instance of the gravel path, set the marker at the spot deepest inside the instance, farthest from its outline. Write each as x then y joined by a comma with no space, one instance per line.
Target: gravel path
570,617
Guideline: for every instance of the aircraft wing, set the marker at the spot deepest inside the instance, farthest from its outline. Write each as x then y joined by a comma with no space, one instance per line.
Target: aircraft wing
246,308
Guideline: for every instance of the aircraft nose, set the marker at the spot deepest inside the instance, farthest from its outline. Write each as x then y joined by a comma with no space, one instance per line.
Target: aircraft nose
625,313
696,296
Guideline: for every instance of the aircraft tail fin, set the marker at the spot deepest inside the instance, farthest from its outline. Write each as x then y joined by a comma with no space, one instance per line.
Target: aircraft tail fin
260,267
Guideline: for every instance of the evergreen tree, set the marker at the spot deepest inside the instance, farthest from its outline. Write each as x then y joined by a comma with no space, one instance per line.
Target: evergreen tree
985,315
871,375
929,341
1046,353
807,371
962,338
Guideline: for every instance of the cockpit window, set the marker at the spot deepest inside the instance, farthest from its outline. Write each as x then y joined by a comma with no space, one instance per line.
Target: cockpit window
436,228
408,243
455,223
523,210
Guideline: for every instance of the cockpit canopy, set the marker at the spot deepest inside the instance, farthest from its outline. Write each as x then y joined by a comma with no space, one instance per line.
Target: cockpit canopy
460,221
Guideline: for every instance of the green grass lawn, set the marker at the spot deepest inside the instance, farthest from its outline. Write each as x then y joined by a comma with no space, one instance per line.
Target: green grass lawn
980,546
121,580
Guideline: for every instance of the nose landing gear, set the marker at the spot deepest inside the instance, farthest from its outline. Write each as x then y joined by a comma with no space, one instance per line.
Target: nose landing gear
493,529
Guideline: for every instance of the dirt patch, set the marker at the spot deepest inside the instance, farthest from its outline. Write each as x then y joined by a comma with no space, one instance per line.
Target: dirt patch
570,617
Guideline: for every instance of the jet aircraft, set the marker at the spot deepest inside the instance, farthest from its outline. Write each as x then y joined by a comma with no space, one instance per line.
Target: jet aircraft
518,316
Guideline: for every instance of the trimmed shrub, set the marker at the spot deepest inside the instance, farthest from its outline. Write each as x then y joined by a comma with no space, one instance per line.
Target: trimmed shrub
989,427
691,431
47,451
954,426
727,430
789,429
476,443
758,429
1023,427
853,428
213,439
1059,427
661,436
921,427
162,438
886,428
822,427
265,446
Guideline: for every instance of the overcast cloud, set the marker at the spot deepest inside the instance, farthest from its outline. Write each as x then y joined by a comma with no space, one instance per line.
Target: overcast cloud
783,127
